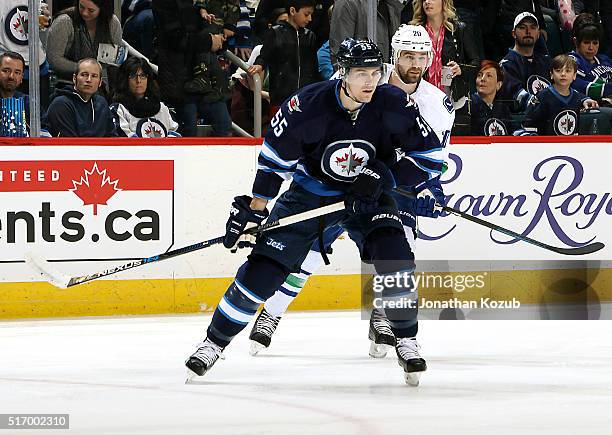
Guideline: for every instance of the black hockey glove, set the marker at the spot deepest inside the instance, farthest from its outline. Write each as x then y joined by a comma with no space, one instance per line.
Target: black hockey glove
426,205
241,218
362,195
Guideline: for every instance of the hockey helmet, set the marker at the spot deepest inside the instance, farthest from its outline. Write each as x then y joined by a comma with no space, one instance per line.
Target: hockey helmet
362,53
411,38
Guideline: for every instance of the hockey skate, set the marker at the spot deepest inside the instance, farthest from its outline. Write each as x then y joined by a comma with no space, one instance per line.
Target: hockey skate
261,334
203,359
410,360
380,335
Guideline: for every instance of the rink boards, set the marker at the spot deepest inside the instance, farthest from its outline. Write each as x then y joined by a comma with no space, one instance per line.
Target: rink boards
90,205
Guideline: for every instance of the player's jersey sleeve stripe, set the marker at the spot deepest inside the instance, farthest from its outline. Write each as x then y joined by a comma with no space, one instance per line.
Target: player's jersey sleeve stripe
270,154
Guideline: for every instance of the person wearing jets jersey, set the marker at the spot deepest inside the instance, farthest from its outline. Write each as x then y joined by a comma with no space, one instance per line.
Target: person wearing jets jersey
412,55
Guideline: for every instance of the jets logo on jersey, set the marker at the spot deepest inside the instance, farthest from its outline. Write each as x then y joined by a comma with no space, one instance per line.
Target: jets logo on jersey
150,127
343,160
495,127
294,104
448,104
536,83
566,123
16,25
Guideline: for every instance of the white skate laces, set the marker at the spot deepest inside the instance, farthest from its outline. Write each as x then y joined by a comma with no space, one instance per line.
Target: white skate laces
266,323
381,325
408,348
208,352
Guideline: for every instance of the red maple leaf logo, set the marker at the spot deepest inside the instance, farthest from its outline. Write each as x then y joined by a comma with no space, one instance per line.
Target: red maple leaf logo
95,188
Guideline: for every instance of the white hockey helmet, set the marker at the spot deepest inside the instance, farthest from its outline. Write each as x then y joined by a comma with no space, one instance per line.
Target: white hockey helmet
412,38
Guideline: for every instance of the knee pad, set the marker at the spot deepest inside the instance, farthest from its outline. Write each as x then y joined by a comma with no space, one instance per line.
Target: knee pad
389,251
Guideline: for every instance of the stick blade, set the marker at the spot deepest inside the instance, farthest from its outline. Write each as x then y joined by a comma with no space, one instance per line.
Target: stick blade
46,270
582,250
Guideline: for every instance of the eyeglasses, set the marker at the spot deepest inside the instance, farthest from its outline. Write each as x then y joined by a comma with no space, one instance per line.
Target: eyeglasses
141,76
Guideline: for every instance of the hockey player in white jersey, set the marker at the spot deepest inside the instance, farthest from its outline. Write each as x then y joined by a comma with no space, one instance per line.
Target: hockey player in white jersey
412,55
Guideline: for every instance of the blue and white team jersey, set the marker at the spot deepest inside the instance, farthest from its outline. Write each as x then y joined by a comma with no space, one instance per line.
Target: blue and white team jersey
593,79
550,113
524,76
435,107
323,147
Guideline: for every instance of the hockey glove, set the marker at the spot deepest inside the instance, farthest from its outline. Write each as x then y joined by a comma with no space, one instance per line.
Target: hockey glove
362,195
241,218
426,205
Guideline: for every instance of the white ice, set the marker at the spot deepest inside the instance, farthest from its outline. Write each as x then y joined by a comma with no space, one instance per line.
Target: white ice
126,376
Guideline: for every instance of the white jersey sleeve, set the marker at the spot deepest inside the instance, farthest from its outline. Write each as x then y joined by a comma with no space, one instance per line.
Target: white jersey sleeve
436,109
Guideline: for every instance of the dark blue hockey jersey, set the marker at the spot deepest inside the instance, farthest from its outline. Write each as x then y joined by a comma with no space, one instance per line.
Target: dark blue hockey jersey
313,139
551,113
593,79
489,121
524,77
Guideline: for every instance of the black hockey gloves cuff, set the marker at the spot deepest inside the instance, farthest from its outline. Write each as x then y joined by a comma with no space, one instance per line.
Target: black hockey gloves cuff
241,218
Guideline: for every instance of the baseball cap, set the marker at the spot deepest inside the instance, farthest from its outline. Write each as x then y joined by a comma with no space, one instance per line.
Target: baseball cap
520,17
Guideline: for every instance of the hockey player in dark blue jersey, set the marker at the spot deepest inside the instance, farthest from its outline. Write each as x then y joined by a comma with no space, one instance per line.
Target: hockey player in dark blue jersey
525,72
594,76
337,140
556,109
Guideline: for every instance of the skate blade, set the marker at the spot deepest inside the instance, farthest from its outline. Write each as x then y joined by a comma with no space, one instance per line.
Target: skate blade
413,379
255,348
379,350
192,377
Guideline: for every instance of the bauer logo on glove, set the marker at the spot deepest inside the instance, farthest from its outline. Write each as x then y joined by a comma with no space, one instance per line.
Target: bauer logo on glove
242,217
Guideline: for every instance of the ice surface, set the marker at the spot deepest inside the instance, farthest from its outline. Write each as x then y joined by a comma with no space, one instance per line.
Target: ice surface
126,376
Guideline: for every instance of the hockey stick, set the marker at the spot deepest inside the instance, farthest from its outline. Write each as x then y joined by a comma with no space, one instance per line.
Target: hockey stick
582,250
62,280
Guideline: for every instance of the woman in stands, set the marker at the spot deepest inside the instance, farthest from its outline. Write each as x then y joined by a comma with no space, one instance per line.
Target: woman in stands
490,117
594,76
453,47
137,109
77,32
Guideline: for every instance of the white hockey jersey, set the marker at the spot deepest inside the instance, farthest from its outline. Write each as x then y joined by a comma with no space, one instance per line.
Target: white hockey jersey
434,106
160,125
14,29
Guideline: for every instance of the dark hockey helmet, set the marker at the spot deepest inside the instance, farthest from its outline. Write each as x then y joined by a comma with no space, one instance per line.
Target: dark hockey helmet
362,53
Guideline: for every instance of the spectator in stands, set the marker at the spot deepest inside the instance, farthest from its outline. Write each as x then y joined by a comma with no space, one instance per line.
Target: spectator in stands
14,121
77,33
525,71
507,10
14,38
290,53
350,20
137,110
555,110
137,22
490,117
326,66
209,79
453,47
594,77
242,93
244,40
180,36
80,112
263,17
